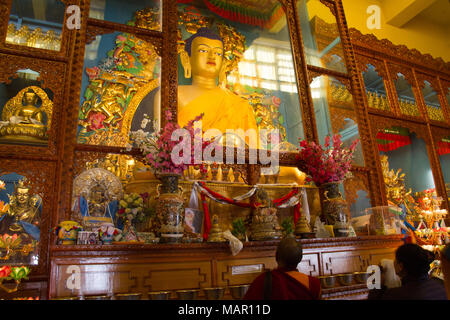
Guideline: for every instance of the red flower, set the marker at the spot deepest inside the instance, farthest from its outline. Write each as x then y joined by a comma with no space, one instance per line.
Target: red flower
5,271
95,120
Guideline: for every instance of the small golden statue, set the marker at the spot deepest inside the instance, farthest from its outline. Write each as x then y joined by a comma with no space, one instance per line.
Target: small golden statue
395,187
22,119
22,217
264,225
216,234
302,227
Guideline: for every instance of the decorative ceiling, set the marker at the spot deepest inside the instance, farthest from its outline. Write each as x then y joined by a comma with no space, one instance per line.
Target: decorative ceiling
262,13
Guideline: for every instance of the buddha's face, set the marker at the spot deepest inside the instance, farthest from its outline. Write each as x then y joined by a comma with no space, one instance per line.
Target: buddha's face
30,98
206,57
22,196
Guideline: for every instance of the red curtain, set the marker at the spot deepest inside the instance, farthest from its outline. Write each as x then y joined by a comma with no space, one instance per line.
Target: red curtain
443,147
391,141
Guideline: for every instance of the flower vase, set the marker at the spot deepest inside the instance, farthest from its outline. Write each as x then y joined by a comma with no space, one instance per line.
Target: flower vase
335,208
170,208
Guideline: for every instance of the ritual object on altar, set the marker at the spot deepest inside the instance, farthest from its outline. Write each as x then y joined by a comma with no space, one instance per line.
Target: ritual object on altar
431,230
396,192
384,220
67,232
216,233
157,150
302,228
107,233
264,224
327,167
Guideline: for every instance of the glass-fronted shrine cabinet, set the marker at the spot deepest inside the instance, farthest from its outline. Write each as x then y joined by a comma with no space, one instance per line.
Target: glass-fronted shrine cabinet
78,76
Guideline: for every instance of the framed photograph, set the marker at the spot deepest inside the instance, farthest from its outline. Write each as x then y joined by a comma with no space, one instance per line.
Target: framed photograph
92,238
193,218
83,237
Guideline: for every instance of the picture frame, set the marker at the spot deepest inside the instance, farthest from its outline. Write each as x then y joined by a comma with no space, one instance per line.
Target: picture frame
193,219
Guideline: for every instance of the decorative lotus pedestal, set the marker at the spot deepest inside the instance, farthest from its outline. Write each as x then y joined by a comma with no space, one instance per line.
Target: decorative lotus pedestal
13,273
334,209
170,208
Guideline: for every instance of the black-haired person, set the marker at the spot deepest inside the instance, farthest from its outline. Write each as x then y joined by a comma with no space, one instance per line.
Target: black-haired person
285,282
412,264
445,265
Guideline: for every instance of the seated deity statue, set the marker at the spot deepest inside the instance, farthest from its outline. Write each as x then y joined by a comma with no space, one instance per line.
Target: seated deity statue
264,222
222,109
22,118
22,217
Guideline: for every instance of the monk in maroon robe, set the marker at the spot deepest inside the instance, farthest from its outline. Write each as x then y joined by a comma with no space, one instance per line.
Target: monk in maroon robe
285,282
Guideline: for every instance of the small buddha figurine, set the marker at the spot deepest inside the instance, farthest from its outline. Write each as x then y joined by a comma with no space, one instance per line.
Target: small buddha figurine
264,224
215,234
24,119
23,214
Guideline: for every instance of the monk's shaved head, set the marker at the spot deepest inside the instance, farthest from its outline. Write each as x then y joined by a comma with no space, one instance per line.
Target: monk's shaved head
289,253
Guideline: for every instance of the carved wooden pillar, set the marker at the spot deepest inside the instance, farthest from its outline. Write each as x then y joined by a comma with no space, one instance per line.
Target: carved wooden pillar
169,78
304,91
72,88
367,142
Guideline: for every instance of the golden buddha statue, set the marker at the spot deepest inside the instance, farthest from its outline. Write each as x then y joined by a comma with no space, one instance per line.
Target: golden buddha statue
22,118
203,61
23,214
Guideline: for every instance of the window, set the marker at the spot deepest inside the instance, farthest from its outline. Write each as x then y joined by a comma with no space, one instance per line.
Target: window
267,67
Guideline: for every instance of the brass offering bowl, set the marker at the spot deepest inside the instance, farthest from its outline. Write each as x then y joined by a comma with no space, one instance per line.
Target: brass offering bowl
66,298
99,297
238,292
214,293
345,279
361,277
159,295
327,281
187,294
128,296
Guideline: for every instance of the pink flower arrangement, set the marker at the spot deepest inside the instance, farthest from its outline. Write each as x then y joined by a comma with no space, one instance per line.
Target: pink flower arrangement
158,147
330,163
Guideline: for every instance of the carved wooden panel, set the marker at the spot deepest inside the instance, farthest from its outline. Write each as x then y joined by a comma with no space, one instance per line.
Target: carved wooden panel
310,264
386,49
112,278
225,268
50,75
353,261
66,33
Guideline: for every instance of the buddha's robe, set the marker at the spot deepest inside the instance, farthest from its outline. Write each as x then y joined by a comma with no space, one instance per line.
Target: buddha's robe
286,285
222,110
